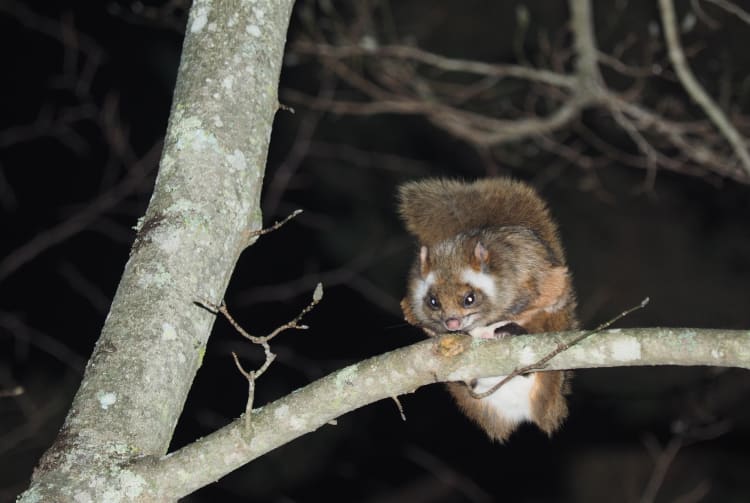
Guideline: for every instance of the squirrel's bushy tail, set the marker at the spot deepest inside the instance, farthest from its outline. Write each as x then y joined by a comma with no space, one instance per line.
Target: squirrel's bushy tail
436,209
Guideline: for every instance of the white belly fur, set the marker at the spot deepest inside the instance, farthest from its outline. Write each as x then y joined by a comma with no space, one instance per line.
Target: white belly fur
512,400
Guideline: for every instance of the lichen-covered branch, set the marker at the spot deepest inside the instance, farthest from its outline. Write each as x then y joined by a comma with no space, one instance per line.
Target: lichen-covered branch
450,358
203,213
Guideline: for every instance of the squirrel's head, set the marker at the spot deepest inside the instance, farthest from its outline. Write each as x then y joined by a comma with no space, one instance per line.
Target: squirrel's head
474,280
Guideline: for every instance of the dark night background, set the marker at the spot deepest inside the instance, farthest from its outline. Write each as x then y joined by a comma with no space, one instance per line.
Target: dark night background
86,95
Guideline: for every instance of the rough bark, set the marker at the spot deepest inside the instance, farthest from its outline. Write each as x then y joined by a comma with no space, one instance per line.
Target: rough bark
200,217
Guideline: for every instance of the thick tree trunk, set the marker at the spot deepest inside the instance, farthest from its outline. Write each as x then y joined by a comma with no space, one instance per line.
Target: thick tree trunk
204,207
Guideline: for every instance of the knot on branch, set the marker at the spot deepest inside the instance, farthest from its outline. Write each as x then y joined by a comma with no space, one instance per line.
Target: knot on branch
452,345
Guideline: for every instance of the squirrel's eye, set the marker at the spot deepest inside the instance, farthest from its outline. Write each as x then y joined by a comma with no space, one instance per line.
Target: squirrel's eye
433,302
469,299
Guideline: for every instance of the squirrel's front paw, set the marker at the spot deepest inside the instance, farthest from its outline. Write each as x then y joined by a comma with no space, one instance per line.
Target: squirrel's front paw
498,330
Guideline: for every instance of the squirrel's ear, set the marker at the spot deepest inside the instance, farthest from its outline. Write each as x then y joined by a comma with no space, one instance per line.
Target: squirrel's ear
553,287
424,262
480,258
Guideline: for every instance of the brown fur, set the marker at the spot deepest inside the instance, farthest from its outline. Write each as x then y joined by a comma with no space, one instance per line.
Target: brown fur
437,209
502,228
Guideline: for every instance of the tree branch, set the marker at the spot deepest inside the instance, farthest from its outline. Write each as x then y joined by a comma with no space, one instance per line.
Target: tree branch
406,369
693,87
203,213
440,62
587,62
395,78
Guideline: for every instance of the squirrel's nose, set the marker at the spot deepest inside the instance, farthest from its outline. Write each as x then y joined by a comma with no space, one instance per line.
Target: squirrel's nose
453,324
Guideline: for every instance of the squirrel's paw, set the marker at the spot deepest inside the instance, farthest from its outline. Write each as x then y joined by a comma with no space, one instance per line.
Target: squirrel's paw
498,330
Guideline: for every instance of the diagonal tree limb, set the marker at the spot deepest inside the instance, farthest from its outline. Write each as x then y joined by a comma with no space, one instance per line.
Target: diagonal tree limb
202,215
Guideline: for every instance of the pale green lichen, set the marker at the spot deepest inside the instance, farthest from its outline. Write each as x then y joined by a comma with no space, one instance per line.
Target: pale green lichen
168,332
297,423
199,17
345,376
595,355
233,458
138,223
157,278
687,338
395,375
31,496
82,497
167,239
281,412
121,449
527,356
131,483
106,399
626,349
198,139
237,161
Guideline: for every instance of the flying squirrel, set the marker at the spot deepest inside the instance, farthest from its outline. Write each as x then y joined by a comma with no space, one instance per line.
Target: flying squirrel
490,264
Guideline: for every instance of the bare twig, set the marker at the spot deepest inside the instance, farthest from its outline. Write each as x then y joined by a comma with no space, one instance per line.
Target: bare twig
252,375
563,346
697,494
440,62
275,226
733,8
137,174
397,78
693,87
448,475
663,458
400,407
18,329
587,62
19,390
282,176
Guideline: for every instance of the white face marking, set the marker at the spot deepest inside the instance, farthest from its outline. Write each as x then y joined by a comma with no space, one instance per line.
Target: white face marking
423,286
512,400
480,281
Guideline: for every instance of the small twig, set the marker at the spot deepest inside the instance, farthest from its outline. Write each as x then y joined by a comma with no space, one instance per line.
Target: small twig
446,64
252,375
19,390
701,14
734,9
400,407
563,346
651,153
694,88
274,227
663,460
